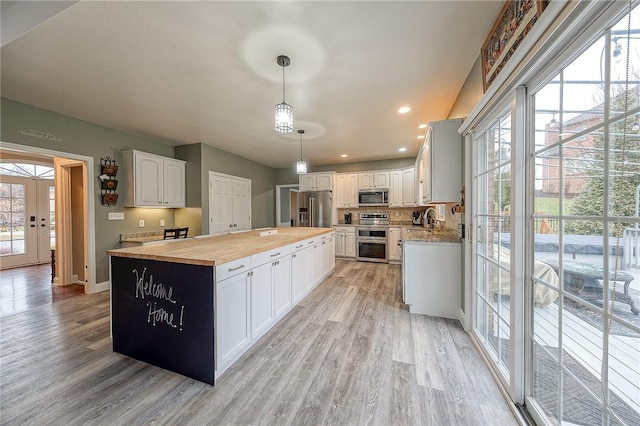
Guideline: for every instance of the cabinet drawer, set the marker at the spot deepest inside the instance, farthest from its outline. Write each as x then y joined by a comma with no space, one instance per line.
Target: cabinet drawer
232,268
268,256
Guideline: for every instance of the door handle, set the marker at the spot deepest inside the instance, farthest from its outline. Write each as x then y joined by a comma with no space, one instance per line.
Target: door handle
480,236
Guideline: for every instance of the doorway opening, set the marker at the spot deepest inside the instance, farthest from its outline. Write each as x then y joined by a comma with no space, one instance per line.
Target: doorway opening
50,220
287,205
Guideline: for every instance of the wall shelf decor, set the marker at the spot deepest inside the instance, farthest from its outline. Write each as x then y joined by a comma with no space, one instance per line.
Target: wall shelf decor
108,182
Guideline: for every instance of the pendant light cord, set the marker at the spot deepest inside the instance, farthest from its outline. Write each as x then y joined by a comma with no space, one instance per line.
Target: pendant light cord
283,84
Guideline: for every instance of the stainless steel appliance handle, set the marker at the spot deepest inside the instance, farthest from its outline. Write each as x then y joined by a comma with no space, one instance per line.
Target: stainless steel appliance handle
312,202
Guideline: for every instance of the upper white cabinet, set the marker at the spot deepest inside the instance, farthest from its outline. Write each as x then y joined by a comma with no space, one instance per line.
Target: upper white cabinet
229,203
153,180
395,188
321,181
440,163
370,180
347,190
409,193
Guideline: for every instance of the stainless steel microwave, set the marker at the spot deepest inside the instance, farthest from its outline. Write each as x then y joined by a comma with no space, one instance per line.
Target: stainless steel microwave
373,197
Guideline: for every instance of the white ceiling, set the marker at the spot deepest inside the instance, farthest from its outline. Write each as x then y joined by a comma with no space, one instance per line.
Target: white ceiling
188,72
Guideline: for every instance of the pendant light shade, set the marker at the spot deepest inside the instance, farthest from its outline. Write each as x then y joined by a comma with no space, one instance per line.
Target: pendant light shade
283,111
301,165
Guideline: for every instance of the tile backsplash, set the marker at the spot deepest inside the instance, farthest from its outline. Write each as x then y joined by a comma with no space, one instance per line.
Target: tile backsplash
403,215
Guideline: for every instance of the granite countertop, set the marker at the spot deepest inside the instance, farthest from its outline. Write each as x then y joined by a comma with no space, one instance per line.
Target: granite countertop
218,249
142,237
415,233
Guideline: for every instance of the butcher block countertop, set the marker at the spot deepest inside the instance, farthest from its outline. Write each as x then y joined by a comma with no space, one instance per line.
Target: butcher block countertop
219,249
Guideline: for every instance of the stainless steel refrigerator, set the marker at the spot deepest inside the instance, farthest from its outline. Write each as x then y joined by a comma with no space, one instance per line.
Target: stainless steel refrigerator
314,209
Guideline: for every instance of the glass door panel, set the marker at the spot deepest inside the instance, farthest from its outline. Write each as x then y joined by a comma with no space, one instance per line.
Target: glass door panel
18,232
492,216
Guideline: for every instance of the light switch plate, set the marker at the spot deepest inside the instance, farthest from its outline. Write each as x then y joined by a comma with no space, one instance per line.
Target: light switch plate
161,222
116,216
141,223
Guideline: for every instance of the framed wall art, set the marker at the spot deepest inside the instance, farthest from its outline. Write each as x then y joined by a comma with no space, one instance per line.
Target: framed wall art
514,22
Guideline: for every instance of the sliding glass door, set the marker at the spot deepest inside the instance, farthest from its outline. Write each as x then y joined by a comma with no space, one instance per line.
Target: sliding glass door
585,188
492,218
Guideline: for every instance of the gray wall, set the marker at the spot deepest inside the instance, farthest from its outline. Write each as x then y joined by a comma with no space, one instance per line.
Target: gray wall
84,138
216,160
288,176
470,93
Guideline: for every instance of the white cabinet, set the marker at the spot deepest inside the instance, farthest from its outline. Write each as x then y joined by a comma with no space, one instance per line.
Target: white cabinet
232,313
409,193
262,313
347,190
440,163
395,188
301,273
345,242
229,203
431,278
282,297
395,245
376,179
153,180
321,181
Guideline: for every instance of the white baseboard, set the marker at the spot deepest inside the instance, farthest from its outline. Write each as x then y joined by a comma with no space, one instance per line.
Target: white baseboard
103,286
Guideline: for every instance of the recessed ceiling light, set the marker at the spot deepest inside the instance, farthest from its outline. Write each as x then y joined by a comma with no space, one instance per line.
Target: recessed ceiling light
422,126
404,110
403,149
344,156
420,136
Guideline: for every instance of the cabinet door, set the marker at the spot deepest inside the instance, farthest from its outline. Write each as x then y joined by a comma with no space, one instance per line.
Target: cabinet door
174,183
241,205
446,161
426,178
350,245
365,180
395,250
220,205
352,190
148,180
262,316
282,286
233,334
324,181
409,187
301,274
307,182
340,240
342,189
395,188
381,180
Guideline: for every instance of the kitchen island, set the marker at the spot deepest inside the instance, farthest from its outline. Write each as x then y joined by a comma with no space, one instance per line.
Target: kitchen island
194,306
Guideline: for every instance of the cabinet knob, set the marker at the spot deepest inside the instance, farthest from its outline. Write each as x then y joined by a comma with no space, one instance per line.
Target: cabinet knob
230,225
159,202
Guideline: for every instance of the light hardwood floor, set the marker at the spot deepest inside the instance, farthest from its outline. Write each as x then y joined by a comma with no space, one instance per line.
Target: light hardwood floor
348,354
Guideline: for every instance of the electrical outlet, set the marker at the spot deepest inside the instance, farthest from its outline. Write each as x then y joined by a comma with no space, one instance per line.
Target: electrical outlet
141,223
161,222
116,216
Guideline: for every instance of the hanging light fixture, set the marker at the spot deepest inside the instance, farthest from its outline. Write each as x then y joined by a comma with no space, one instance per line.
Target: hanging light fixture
283,111
301,166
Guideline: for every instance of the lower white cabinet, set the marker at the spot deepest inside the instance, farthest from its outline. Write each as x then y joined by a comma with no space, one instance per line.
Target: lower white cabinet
431,278
282,294
262,312
253,293
345,239
395,245
232,313
301,273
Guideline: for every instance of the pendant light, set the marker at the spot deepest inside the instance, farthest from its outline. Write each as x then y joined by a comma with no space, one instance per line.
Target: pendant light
301,166
283,111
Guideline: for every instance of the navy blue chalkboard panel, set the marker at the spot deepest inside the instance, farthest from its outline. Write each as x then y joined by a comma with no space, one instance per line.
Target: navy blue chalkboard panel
162,313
